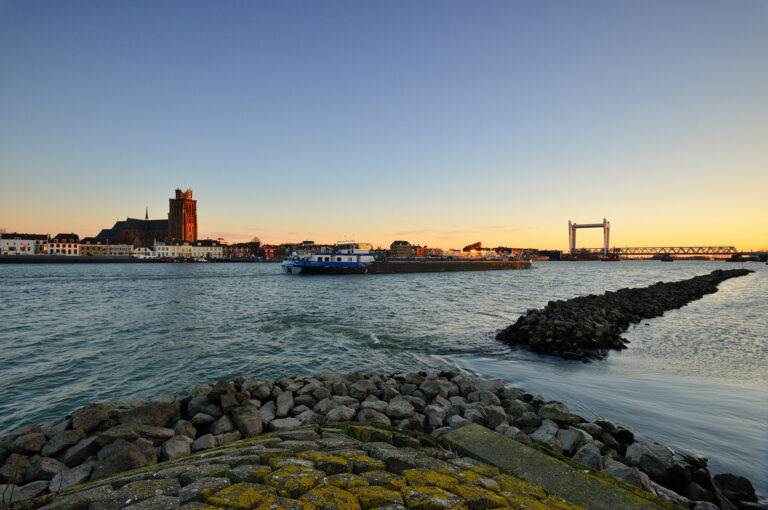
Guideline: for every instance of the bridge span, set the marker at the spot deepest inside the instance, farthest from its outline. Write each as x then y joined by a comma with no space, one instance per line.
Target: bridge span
671,251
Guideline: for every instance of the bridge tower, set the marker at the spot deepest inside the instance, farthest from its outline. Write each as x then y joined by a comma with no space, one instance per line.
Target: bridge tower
605,225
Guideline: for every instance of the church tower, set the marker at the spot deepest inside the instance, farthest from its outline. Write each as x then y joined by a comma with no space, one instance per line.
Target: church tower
182,216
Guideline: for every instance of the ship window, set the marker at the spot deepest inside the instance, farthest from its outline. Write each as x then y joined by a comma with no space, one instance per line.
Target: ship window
338,259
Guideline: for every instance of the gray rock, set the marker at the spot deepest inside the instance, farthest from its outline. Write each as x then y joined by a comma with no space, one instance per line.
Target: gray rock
202,419
654,459
284,424
347,401
53,429
155,434
284,404
185,428
205,442
197,490
484,397
593,429
268,412
89,417
308,418
628,474
509,394
158,414
457,421
43,468
148,449
495,416
326,405
304,400
222,426
28,491
376,405
341,413
250,384
435,415
28,443
418,403
228,437
228,402
373,417
515,408
62,440
197,404
465,385
557,412
518,435
589,455
440,431
118,457
176,447
157,503
14,469
77,453
735,487
248,420
339,388
361,389
399,407
495,386
528,420
546,435
474,415
124,432
570,440
669,495
263,392
71,477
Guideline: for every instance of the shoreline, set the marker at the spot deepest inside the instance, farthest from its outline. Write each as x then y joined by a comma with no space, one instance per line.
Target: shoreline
211,416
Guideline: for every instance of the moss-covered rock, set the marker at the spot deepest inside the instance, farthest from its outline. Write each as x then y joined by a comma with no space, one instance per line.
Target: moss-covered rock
375,497
278,503
293,481
430,498
478,498
427,478
362,463
331,464
328,497
241,496
347,481
384,479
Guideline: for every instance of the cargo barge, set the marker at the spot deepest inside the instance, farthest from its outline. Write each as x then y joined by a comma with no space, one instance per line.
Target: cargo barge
440,266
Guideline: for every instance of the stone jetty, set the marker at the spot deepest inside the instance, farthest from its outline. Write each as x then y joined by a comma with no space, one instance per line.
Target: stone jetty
113,441
588,327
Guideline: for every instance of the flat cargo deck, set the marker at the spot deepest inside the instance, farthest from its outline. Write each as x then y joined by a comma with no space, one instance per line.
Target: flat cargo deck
445,266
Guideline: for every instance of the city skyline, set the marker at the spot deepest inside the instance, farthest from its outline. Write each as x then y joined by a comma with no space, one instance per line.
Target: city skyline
438,123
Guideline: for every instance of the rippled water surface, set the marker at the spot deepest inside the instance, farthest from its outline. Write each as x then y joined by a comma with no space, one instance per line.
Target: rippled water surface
694,379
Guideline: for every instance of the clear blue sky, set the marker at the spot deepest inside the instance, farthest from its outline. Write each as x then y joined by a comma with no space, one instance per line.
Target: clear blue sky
443,123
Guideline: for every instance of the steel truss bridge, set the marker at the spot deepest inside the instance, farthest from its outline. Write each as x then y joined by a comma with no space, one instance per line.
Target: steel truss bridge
671,251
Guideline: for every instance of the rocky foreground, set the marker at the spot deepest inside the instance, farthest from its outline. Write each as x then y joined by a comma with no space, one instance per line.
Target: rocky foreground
588,327
102,440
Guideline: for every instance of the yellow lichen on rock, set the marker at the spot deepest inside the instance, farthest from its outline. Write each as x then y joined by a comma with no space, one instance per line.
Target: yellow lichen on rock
328,497
293,481
347,481
514,485
369,434
425,477
375,497
331,464
477,498
362,463
241,496
430,498
280,462
385,479
278,503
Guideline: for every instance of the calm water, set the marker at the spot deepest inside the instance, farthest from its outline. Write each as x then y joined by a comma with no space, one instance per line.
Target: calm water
694,379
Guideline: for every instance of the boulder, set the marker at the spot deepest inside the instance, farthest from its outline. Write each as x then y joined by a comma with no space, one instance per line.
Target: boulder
570,440
361,389
52,429
669,495
493,385
628,474
484,397
89,417
341,413
16,465
29,491
373,417
80,451
589,455
176,447
228,437
185,428
62,440
248,420
222,426
205,442
202,419
495,416
557,412
399,407
735,488
515,408
456,421
43,468
268,412
148,449
118,457
228,401
284,424
517,434
158,414
435,415
71,477
546,435
528,420
28,444
284,404
654,459
376,405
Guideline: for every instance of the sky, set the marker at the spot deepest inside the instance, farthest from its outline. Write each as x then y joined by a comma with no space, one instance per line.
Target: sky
439,122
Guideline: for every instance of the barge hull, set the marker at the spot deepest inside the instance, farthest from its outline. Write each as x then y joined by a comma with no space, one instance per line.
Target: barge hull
446,266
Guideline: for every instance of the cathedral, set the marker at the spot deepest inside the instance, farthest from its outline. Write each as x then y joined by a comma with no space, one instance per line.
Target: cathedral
180,225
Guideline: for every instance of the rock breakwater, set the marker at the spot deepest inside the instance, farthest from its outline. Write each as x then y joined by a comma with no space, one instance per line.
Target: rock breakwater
101,440
588,327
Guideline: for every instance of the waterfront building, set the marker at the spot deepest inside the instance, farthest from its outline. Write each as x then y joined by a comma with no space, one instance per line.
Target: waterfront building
178,248
135,232
64,244
92,246
182,216
143,252
242,250
23,244
401,249
123,250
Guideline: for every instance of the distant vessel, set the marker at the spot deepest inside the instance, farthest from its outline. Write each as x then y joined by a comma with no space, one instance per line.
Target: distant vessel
346,258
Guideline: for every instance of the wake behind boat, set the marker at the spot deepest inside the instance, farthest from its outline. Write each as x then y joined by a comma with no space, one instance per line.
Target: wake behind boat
345,258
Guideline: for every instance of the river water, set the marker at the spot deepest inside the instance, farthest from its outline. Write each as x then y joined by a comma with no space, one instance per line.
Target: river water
694,379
